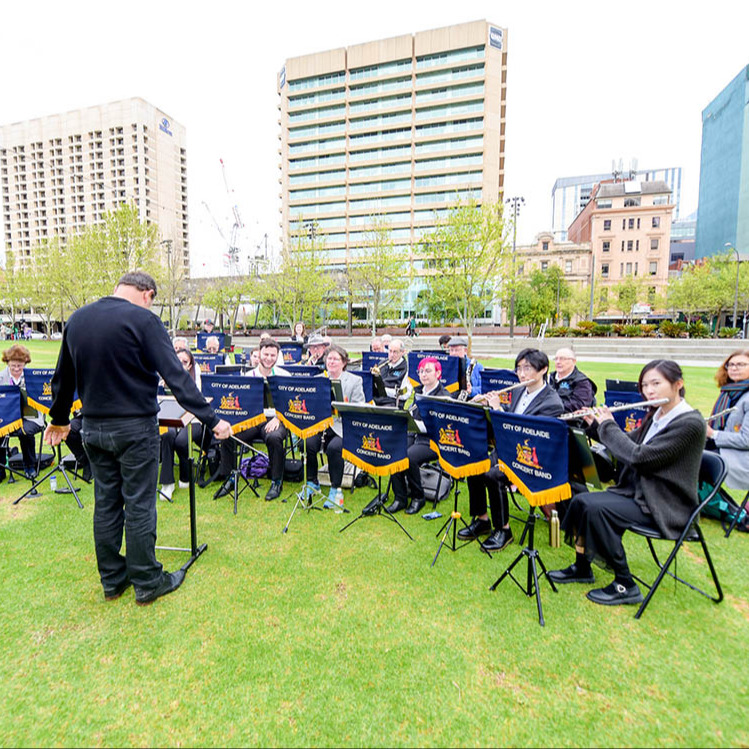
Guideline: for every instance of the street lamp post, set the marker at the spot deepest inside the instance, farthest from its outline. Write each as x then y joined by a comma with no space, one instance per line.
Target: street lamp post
516,202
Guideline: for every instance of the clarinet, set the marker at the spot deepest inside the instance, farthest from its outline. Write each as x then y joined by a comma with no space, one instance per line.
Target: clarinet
463,394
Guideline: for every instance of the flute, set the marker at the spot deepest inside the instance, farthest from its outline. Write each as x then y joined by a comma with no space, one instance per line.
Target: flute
590,411
485,396
725,411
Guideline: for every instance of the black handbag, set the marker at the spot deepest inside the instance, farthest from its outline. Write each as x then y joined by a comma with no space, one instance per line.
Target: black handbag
293,470
432,479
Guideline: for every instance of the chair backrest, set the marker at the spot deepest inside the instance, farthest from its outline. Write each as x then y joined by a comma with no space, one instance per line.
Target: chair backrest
712,469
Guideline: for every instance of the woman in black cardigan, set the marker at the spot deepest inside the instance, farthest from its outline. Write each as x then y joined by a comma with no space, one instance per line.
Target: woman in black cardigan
657,485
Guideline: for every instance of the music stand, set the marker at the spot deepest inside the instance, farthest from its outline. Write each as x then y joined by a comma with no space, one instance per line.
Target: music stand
41,479
400,420
171,414
236,474
306,497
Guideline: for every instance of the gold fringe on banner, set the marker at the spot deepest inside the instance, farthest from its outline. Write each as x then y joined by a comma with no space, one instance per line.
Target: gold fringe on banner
38,406
472,469
536,499
77,405
163,430
413,382
397,467
248,423
321,426
452,387
8,428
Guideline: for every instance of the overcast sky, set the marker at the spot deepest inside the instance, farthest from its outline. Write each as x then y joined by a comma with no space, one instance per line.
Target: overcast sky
587,83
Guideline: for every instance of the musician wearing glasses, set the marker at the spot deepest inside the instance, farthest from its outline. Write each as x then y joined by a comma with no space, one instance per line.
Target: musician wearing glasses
657,484
575,390
408,482
729,433
458,346
336,361
536,399
392,372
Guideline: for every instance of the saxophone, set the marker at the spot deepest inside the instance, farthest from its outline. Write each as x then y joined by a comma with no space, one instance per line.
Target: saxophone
463,394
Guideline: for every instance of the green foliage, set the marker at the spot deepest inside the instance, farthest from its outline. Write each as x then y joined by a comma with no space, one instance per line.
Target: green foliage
538,296
698,329
728,332
559,332
469,258
603,329
618,328
587,327
631,330
648,330
672,329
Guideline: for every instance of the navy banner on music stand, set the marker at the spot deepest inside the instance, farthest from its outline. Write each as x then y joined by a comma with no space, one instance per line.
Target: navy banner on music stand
10,409
208,362
499,379
201,338
303,370
533,452
39,388
291,351
370,358
367,383
376,442
242,357
458,433
239,400
302,404
450,368
628,419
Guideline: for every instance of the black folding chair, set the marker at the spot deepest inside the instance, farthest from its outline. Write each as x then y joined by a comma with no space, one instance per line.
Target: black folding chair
713,472
735,521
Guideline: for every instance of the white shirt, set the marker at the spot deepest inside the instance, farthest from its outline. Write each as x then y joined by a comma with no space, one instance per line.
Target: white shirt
526,399
661,421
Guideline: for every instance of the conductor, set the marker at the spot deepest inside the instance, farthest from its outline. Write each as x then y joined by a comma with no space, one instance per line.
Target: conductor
113,351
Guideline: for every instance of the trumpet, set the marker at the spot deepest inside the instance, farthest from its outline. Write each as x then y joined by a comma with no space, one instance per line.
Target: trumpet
375,370
483,397
624,407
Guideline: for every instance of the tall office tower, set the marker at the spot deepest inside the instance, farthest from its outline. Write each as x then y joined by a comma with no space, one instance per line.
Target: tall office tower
571,194
63,172
723,209
401,127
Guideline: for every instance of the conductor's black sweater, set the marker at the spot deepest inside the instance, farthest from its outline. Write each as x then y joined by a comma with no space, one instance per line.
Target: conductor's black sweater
113,352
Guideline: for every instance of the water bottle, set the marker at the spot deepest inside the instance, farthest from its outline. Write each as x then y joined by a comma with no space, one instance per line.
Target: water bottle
339,500
53,482
554,529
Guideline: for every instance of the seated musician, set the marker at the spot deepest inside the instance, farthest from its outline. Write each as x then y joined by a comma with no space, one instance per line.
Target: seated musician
17,357
299,335
178,440
212,346
254,356
336,361
272,432
729,434
408,483
376,345
657,486
536,399
180,342
443,340
458,346
392,372
316,348
575,390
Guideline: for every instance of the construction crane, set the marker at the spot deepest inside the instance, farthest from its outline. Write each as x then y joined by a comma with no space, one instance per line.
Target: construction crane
231,256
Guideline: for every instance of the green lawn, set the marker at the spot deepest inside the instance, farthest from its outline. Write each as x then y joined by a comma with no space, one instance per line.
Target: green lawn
323,638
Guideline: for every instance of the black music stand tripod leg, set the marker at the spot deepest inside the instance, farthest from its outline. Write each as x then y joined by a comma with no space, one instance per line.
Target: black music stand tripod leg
32,492
378,511
451,524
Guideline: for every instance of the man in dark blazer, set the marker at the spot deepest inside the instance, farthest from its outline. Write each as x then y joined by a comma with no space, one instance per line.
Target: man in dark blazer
393,373
537,399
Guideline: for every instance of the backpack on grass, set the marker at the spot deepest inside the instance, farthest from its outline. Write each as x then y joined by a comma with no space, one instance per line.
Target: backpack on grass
724,508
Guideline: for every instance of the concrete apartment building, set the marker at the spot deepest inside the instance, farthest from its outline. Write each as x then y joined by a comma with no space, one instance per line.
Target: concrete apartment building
571,194
399,127
628,226
62,172
723,209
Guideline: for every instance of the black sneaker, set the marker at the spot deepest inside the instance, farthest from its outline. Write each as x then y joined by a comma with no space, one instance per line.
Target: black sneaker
498,540
477,527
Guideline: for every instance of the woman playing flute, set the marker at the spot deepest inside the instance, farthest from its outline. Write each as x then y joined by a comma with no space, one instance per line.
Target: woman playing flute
657,485
729,434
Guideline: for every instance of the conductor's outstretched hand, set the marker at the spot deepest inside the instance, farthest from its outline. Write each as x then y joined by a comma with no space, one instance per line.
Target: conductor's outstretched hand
222,430
54,435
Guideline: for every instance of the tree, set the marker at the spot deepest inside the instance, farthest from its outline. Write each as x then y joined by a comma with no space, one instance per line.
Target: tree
171,278
381,275
625,294
468,256
299,286
538,298
40,281
11,287
224,296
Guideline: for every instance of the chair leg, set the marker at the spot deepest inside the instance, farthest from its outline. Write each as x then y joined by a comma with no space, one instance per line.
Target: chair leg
735,521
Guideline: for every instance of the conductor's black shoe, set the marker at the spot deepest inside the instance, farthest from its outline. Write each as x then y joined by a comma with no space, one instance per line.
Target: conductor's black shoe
498,540
415,506
571,574
170,582
115,593
615,594
371,508
225,489
477,527
275,490
396,505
